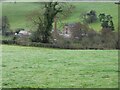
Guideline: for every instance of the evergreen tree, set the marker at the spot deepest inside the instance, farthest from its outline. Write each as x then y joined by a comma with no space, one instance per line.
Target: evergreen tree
101,17
112,25
106,21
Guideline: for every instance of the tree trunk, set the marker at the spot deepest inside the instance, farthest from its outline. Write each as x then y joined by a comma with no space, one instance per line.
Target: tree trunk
49,15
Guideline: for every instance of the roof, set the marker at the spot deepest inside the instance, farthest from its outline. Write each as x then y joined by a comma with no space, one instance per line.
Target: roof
70,24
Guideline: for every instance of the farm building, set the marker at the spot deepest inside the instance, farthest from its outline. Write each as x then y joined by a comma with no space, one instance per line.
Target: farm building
74,30
22,32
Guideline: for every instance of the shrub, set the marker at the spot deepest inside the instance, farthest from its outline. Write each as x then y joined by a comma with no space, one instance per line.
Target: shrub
109,38
90,17
61,42
106,21
24,40
8,42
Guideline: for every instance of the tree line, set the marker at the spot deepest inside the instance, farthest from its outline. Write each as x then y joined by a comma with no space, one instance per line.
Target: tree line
44,24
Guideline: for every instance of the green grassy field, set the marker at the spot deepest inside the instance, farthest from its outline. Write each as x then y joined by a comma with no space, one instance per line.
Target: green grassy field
45,68
17,13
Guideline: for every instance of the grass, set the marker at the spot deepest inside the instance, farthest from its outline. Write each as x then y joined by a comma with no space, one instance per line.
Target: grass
17,13
47,68
108,8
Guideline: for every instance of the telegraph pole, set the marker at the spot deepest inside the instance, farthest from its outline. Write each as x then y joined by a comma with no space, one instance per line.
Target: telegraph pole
118,3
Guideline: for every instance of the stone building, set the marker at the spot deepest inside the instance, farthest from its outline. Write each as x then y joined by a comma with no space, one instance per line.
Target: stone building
74,30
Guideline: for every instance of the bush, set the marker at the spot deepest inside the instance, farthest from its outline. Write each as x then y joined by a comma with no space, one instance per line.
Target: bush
8,42
109,38
90,17
8,33
24,40
106,21
61,42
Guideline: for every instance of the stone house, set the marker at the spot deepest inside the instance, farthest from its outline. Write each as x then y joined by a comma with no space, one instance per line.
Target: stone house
74,30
